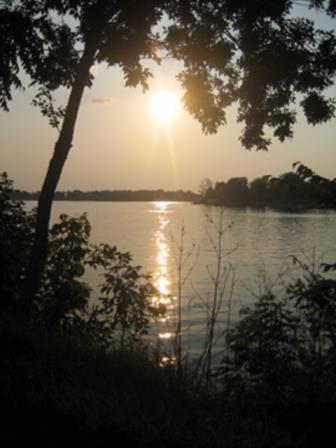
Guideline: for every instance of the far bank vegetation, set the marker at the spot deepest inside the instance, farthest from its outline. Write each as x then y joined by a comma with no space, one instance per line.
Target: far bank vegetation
299,189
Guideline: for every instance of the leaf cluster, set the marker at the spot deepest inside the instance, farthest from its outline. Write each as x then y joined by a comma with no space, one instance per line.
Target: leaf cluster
121,312
16,231
285,342
255,54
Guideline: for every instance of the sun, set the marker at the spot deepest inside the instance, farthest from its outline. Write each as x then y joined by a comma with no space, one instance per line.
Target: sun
164,106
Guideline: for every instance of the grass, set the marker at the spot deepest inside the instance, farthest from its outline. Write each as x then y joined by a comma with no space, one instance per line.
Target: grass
56,386
59,386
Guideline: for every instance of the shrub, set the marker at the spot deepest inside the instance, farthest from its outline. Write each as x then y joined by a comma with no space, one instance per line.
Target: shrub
16,231
121,313
280,365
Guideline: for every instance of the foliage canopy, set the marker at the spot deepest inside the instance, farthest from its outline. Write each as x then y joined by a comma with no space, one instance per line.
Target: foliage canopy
262,55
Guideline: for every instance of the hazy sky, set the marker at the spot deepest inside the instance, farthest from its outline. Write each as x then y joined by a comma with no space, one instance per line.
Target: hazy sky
118,144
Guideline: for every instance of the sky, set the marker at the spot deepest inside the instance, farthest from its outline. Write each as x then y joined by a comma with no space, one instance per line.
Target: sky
119,144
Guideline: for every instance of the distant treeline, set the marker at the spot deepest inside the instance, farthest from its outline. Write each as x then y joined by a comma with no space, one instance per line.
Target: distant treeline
107,195
299,189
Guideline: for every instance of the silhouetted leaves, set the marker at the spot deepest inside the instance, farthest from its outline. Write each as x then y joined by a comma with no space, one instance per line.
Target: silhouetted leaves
121,313
16,232
267,59
255,54
317,109
285,344
45,102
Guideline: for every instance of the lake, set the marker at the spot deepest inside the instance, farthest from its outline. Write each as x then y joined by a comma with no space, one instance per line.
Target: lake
257,246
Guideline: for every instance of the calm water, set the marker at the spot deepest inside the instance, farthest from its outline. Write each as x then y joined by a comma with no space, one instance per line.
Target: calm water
255,242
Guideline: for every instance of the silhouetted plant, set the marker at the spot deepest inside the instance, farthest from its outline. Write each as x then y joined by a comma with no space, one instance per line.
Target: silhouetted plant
185,260
219,299
314,296
120,314
262,346
320,188
62,289
16,231
286,341
205,188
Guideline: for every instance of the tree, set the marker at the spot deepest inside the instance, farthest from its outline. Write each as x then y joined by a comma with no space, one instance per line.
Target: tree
256,55
119,33
237,191
321,189
258,191
252,53
205,187
122,310
16,233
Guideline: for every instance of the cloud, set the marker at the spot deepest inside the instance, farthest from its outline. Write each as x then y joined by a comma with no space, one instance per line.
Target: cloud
96,100
101,101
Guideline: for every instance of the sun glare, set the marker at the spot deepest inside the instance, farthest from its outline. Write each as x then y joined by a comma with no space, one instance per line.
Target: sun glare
164,106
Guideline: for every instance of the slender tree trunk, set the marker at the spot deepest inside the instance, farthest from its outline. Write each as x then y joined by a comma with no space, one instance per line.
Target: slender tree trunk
62,147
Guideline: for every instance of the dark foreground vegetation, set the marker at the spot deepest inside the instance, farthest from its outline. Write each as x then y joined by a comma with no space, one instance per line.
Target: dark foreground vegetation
298,189
83,372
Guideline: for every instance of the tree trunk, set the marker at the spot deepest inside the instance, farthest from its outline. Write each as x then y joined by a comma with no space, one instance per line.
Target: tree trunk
62,147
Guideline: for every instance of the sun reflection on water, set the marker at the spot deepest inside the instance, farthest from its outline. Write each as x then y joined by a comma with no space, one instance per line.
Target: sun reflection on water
162,279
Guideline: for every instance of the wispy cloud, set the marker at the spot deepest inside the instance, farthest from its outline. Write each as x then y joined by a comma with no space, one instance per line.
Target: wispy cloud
101,101
96,100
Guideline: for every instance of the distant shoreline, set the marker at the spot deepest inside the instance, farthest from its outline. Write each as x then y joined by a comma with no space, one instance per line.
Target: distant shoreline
112,200
112,196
